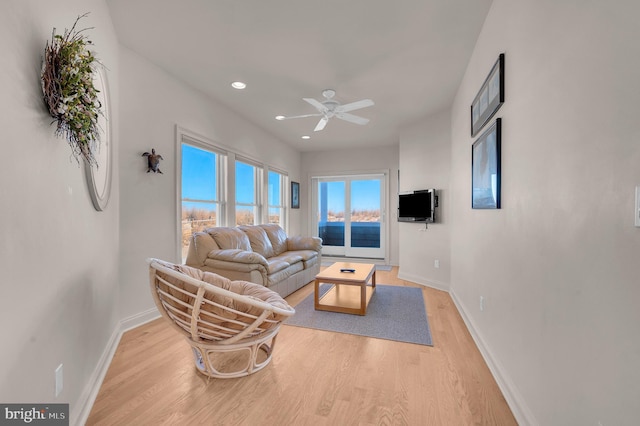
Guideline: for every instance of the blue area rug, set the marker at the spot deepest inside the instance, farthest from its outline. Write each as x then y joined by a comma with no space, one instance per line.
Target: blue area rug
394,313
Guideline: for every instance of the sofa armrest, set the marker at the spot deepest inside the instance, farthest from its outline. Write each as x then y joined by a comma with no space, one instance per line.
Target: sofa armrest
304,243
200,245
238,256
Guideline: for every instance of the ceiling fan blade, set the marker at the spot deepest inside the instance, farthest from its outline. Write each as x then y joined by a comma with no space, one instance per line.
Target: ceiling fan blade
301,116
323,122
352,118
315,103
355,105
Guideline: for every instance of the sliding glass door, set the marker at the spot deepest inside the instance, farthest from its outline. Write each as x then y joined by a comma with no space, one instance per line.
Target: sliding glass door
349,215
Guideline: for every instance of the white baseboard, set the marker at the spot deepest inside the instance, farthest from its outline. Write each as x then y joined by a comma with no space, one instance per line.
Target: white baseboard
418,279
514,399
82,409
138,319
80,412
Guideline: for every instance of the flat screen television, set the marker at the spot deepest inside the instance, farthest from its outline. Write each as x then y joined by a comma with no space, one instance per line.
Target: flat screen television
417,206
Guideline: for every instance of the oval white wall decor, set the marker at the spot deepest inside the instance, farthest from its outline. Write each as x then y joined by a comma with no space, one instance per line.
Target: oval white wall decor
99,176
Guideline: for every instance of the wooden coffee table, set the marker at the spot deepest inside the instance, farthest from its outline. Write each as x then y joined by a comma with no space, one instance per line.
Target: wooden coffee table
350,293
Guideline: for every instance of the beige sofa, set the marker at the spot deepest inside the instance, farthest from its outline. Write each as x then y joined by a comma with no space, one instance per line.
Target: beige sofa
262,254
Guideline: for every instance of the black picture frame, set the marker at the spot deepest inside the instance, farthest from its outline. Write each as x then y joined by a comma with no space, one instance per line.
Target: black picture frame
490,97
485,168
295,195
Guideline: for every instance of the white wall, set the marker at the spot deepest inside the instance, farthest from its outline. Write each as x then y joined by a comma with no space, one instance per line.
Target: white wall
59,256
425,162
353,160
153,102
558,264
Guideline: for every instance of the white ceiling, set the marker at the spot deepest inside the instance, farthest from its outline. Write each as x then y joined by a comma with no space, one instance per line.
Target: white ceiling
408,56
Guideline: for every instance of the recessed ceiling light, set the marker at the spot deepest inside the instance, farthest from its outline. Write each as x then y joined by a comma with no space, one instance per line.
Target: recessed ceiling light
280,117
238,85
306,137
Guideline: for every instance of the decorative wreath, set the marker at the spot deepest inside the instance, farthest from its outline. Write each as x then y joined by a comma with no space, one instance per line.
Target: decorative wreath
67,85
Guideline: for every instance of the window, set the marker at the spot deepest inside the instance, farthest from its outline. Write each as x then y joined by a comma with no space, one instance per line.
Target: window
201,200
275,198
219,187
247,193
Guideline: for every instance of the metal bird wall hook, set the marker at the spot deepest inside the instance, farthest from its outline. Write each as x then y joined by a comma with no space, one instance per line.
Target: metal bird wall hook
153,161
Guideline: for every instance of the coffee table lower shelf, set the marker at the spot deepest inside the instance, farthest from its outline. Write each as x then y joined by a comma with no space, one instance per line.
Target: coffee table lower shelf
346,299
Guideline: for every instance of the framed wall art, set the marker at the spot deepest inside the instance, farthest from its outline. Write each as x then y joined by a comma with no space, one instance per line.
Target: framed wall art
485,168
295,195
490,97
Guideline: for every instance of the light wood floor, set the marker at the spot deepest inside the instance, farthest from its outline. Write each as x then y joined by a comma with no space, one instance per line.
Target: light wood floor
315,378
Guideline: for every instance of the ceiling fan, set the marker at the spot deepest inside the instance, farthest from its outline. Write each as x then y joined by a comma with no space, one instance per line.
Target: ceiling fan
329,108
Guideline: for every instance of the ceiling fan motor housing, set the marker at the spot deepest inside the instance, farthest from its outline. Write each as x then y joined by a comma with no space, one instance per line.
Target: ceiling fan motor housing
330,107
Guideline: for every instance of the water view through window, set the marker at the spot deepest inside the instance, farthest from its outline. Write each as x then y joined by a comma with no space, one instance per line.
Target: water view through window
349,216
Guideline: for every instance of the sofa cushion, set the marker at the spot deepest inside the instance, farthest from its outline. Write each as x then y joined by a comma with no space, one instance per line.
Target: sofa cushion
276,265
302,254
259,240
311,262
288,257
230,238
238,256
225,267
283,274
277,236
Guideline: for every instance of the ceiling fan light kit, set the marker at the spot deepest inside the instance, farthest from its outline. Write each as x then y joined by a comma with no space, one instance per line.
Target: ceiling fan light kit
330,108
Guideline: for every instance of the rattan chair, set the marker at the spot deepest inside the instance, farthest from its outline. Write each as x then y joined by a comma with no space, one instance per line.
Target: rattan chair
218,317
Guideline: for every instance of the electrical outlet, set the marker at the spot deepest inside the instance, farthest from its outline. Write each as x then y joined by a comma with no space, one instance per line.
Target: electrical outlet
59,383
436,263
481,303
